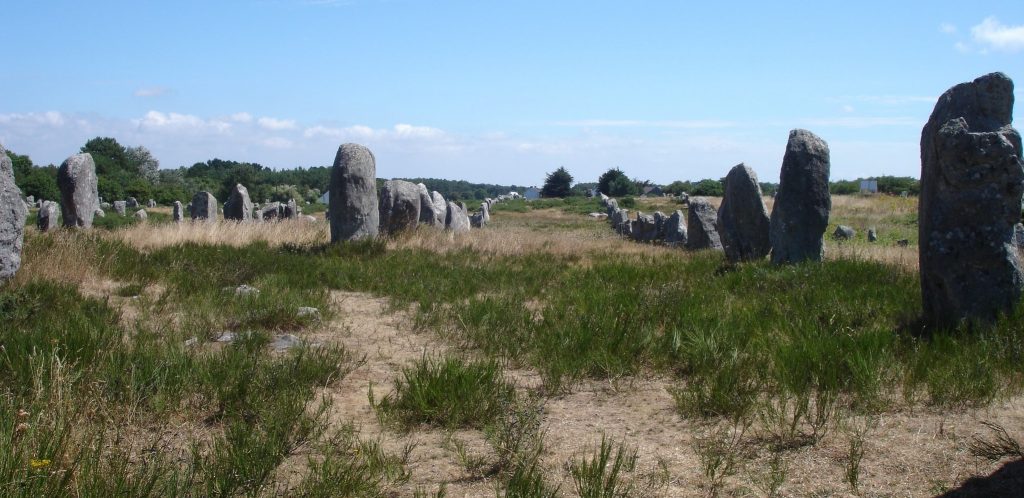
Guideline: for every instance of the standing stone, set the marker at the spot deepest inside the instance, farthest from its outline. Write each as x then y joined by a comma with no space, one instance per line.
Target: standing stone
177,212
99,213
620,221
743,221
972,178
456,219
79,196
612,206
291,210
46,218
271,212
399,206
645,229
353,199
30,199
440,207
151,204
477,220
844,232
675,229
121,207
141,215
133,202
12,220
204,207
872,235
427,216
238,206
1018,235
702,219
485,212
802,203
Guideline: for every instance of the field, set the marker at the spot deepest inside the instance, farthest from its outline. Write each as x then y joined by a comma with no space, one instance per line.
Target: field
540,356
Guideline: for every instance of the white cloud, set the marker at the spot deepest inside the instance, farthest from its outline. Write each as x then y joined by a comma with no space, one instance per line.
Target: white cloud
410,131
48,118
156,120
947,28
241,117
278,143
636,123
848,108
361,132
276,124
995,35
153,91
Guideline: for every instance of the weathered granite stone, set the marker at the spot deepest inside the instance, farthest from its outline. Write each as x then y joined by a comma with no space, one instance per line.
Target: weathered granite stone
972,178
177,212
204,207
612,206
872,235
644,228
99,213
271,212
132,202
151,203
701,220
141,215
1018,235
292,210
844,232
743,223
485,212
121,207
427,214
802,204
12,220
456,219
399,206
238,206
659,225
353,199
440,207
47,218
675,229
79,196
476,220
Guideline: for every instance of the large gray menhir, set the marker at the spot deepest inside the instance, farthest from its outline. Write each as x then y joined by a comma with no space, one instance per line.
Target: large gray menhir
12,220
79,194
802,204
742,218
353,199
701,219
400,205
204,207
972,178
238,206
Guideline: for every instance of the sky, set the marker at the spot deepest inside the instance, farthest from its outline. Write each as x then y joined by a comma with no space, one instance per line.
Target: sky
497,92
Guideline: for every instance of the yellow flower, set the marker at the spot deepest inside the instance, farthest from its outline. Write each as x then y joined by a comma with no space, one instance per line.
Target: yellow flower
38,464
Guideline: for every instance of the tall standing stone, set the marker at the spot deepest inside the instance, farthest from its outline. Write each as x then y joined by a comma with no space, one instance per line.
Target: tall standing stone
177,212
440,207
238,206
399,206
675,229
427,215
12,220
802,204
743,221
79,196
353,199
702,220
972,178
485,212
204,207
121,207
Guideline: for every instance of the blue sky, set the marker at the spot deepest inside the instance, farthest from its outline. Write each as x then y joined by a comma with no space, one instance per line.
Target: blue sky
499,92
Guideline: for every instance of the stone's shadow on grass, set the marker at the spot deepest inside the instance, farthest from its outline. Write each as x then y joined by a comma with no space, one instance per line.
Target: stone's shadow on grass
1006,482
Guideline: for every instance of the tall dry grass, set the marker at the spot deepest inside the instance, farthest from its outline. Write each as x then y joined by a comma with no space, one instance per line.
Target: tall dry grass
146,237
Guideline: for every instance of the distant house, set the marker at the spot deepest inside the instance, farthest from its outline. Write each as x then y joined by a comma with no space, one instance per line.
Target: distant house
326,198
869,186
532,193
653,190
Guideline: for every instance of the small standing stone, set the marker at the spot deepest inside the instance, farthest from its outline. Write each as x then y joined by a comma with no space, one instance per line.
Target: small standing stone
844,232
675,229
46,218
400,204
456,219
743,223
121,207
177,212
141,215
204,207
701,219
872,235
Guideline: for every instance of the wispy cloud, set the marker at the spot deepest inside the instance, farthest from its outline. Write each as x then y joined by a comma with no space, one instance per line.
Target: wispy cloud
637,123
241,117
153,91
156,120
947,28
361,132
48,118
992,34
276,124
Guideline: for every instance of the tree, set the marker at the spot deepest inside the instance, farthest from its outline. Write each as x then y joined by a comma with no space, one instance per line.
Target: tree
140,159
108,155
557,184
615,183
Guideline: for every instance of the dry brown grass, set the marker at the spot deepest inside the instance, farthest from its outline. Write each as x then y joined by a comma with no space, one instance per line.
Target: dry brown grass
149,236
58,257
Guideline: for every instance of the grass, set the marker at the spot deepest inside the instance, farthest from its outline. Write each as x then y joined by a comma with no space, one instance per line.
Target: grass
448,392
603,474
793,350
